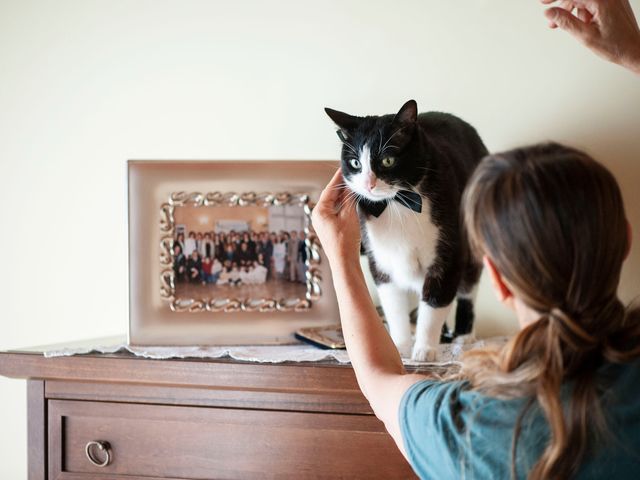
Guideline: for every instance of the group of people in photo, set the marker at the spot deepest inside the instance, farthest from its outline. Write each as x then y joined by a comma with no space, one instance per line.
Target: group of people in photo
239,257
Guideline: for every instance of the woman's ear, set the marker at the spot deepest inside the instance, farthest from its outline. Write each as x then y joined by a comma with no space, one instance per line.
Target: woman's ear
501,289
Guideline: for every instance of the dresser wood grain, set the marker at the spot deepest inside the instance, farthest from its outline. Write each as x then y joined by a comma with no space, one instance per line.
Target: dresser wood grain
199,419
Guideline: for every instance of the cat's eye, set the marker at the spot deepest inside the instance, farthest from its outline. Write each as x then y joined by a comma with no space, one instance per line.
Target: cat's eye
388,162
355,163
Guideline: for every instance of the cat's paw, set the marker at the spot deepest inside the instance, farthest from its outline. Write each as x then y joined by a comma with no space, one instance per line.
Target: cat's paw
424,354
465,339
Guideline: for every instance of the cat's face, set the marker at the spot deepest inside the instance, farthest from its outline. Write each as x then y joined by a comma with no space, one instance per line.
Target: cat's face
378,153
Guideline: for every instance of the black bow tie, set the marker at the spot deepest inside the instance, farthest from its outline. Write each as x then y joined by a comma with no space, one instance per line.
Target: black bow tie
405,198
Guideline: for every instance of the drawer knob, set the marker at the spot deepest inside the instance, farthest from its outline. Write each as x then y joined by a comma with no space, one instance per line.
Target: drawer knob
103,447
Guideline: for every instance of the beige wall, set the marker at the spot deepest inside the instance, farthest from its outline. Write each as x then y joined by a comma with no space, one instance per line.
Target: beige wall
203,219
88,84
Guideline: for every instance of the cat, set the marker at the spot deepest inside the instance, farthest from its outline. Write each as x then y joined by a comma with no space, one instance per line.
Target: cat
407,173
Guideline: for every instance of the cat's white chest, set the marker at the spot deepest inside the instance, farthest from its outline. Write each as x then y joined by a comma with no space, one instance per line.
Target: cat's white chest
403,243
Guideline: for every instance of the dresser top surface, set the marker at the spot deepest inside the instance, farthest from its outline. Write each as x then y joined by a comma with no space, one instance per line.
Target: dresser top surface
124,367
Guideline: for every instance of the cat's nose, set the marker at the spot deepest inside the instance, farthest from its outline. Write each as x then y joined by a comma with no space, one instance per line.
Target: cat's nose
371,182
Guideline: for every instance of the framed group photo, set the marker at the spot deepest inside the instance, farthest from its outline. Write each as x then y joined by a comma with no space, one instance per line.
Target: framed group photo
224,252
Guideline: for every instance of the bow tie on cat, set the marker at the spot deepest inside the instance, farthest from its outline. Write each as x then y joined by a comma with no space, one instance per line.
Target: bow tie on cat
406,198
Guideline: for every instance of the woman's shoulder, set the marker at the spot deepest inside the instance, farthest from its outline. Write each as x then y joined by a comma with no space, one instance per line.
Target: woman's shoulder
450,429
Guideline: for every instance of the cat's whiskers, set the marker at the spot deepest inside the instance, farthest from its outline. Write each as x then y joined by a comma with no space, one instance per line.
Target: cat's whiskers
415,215
389,139
351,196
350,147
427,169
333,165
344,201
417,219
395,208
340,186
387,148
408,199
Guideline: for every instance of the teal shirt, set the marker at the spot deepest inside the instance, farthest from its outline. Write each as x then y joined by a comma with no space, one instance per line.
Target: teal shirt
452,432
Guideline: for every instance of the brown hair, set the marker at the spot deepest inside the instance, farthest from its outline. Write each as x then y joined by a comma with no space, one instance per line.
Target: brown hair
552,221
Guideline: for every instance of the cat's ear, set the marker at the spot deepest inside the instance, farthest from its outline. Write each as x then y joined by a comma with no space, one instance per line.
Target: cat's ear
404,124
346,122
408,114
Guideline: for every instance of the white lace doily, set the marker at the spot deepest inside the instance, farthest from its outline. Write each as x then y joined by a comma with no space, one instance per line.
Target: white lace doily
299,352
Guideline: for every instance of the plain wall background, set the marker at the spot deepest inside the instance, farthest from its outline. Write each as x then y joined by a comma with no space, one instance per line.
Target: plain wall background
86,85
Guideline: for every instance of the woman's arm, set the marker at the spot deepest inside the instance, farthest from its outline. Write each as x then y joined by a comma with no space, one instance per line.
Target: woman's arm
375,359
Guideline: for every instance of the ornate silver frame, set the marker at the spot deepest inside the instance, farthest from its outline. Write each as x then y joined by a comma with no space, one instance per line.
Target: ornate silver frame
233,199
154,183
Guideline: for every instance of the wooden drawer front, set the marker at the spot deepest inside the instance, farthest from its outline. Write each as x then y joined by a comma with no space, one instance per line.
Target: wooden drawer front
153,441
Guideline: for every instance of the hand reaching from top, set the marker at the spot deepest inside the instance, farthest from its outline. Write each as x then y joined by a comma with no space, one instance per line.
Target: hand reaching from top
608,27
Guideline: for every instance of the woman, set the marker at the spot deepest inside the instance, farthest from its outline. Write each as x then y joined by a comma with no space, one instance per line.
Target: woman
206,247
216,270
205,269
229,253
218,246
562,398
244,255
179,263
259,273
179,242
293,253
279,254
190,245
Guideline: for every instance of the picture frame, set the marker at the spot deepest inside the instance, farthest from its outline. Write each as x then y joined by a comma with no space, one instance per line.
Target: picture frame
226,293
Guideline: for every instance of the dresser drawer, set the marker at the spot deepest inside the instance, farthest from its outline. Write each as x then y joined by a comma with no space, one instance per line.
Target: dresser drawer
157,441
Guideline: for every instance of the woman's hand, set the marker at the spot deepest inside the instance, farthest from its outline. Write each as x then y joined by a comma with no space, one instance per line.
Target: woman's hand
608,27
336,223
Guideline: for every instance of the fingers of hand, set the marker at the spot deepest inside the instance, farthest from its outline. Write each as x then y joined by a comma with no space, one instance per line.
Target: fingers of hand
348,210
333,191
566,20
583,9
330,195
582,3
584,15
336,181
567,5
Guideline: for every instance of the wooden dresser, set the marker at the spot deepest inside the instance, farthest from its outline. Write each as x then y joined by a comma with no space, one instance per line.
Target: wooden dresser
198,419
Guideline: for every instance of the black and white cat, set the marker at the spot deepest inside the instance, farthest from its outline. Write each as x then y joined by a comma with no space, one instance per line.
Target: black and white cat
407,172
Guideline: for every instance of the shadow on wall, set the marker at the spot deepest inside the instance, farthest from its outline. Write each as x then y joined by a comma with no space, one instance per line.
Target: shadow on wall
609,142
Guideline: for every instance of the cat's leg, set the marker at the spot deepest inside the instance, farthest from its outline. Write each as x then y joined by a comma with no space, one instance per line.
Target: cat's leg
467,294
428,329
463,332
438,291
395,304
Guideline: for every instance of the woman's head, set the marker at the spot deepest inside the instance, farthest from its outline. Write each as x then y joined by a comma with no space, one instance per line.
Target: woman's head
550,222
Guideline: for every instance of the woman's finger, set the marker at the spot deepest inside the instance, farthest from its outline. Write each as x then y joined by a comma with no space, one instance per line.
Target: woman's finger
332,193
584,15
348,210
567,21
583,3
